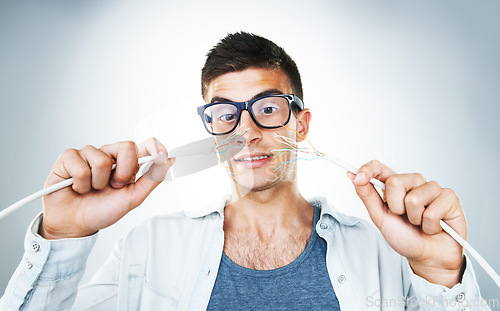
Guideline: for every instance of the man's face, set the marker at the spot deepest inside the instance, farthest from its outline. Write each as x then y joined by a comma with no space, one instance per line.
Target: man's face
253,167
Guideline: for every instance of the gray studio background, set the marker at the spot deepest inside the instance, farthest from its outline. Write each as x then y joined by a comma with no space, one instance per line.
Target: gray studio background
412,83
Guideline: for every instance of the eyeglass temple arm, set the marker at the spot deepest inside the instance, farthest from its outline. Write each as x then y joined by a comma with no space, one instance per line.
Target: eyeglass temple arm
297,101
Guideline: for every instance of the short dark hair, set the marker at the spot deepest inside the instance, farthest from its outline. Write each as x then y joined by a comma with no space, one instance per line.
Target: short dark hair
241,50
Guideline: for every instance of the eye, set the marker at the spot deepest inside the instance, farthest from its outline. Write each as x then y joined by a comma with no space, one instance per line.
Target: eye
223,113
268,110
227,117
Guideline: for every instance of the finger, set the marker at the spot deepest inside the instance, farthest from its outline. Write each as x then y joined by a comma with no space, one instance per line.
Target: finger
367,192
417,199
445,207
156,173
133,177
396,188
100,164
151,147
159,153
149,181
126,157
373,169
371,199
131,180
72,165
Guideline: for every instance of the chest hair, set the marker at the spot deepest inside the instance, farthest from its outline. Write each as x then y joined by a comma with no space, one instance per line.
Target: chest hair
254,252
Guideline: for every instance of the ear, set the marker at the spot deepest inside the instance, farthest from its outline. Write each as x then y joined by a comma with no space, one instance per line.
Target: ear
303,120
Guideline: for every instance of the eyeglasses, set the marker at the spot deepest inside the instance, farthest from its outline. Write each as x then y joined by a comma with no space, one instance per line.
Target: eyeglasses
271,111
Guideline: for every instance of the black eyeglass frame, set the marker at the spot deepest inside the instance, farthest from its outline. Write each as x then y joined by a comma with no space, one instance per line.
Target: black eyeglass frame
240,106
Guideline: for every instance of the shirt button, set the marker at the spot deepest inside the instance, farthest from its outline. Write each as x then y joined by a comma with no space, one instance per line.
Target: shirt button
29,265
460,297
342,278
35,247
323,226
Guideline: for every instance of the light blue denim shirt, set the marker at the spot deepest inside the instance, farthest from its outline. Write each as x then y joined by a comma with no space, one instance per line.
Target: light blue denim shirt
170,263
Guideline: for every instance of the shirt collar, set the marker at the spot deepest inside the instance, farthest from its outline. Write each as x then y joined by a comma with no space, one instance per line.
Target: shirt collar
321,202
214,207
328,209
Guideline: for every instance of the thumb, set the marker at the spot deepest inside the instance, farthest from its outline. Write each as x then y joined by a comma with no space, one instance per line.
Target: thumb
149,181
370,197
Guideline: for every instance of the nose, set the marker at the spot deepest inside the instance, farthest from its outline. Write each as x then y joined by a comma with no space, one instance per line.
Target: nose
254,134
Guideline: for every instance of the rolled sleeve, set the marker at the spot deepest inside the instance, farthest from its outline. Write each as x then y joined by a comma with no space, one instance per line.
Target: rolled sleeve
49,270
463,296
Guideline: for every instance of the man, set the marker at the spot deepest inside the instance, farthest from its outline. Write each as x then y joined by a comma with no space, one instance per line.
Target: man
263,247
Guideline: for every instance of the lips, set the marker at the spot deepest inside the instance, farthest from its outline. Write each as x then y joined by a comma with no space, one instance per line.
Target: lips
253,160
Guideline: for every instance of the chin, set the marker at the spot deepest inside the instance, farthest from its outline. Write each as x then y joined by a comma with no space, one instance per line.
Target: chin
263,187
261,184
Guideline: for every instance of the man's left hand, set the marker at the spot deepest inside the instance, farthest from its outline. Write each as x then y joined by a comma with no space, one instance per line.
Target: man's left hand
408,217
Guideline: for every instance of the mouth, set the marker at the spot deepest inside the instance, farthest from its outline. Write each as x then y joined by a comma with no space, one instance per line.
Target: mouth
253,160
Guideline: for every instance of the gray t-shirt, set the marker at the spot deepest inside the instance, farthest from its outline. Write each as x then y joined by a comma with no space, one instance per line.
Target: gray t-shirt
303,284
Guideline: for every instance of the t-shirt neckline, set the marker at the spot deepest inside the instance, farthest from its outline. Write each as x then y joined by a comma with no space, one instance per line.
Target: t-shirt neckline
282,270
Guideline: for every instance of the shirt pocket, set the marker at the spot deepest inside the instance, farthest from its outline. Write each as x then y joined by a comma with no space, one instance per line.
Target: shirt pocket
142,296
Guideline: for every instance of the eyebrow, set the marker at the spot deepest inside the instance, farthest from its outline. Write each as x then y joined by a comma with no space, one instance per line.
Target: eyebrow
265,93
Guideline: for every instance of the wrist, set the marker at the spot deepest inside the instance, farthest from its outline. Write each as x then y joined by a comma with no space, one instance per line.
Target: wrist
50,234
448,277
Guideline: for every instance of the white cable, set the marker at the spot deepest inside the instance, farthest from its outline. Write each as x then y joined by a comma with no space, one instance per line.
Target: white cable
352,169
55,187
491,272
68,182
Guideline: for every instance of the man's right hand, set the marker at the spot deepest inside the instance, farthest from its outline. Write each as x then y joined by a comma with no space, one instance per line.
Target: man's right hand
99,197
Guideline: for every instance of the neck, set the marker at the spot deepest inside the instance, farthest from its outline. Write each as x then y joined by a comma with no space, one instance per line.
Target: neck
268,212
